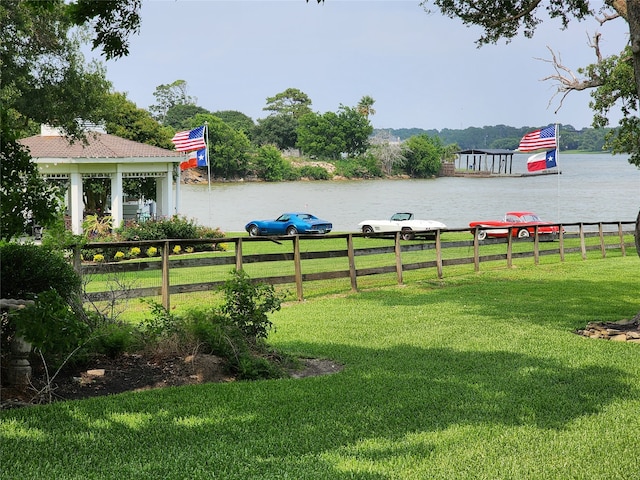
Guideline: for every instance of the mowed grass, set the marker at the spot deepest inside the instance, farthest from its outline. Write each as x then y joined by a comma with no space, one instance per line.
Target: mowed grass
475,376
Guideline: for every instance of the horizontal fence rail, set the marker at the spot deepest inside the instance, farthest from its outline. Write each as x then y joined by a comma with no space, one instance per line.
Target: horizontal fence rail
322,261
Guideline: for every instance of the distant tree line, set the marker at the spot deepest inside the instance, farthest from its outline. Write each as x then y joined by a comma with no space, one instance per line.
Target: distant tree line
504,137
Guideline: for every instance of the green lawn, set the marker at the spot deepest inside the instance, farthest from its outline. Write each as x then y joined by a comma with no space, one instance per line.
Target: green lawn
475,376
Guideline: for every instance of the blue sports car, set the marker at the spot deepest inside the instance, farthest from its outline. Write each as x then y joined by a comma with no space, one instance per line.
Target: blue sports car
289,224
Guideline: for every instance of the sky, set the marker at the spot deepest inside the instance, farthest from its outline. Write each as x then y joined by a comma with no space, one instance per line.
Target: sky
423,70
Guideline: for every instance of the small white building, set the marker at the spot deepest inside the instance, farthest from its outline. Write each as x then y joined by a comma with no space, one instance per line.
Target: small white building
104,156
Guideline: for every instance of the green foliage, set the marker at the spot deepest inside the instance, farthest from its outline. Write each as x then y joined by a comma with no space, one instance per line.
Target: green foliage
176,227
25,197
618,91
292,102
50,325
313,172
161,323
423,156
169,96
247,304
366,166
124,119
179,116
113,339
269,164
228,148
279,130
332,134
28,270
236,120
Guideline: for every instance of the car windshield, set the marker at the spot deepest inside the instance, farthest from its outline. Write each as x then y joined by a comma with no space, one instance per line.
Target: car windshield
530,218
282,218
398,217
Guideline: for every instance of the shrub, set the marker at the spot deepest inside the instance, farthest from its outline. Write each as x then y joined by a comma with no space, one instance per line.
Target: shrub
177,249
51,325
113,339
134,252
247,304
35,269
314,172
119,255
98,257
152,251
175,227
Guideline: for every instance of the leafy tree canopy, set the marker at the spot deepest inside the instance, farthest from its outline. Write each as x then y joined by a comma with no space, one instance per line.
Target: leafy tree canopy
290,102
168,96
179,116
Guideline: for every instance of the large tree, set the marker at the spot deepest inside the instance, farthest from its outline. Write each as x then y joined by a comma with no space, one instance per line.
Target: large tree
292,102
46,80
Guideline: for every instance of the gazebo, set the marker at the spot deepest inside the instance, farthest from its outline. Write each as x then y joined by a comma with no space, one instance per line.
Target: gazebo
475,156
104,156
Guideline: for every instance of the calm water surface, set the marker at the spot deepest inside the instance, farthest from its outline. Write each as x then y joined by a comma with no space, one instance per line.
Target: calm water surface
591,188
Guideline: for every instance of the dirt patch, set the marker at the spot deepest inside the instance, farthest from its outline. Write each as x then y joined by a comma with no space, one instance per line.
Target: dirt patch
135,372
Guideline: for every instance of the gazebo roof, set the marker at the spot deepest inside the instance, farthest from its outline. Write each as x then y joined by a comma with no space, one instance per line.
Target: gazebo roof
100,145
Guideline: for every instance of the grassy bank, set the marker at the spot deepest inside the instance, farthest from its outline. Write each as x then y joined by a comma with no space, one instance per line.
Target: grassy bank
474,376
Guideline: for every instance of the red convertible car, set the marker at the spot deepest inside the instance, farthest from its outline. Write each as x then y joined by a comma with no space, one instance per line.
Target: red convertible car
523,226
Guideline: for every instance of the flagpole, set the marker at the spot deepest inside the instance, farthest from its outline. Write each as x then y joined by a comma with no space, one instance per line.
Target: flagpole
206,155
557,134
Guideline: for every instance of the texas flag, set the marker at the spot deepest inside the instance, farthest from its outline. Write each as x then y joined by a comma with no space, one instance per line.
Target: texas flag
542,161
196,159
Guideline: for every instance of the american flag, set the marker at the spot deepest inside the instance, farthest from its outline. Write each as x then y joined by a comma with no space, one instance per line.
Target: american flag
543,138
189,140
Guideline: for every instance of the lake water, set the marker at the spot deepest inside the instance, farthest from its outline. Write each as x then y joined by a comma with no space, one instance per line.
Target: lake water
591,188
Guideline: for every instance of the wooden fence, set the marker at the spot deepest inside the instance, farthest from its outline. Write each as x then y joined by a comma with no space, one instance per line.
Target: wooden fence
403,255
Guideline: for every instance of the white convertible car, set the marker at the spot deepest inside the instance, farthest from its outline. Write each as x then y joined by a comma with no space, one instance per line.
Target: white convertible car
400,222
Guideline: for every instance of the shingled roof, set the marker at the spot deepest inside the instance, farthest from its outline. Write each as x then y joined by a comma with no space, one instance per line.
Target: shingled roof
101,145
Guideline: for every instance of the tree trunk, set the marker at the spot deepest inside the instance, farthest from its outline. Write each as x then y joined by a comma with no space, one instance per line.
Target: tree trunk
633,17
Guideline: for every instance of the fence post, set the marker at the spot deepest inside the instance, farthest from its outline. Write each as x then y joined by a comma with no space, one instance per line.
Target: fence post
398,259
602,249
536,245
510,247
561,241
239,254
166,301
352,263
476,251
77,259
438,254
297,266
583,247
621,235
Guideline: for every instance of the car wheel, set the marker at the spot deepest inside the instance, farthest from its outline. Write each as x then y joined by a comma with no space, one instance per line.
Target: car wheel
407,234
367,230
482,234
523,233
292,231
254,231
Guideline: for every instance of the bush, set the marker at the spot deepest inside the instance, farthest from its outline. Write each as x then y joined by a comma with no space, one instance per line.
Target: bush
166,228
35,269
314,172
113,339
360,167
50,325
247,304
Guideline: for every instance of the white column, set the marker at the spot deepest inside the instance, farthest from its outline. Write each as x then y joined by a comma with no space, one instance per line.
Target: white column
77,205
171,209
116,198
